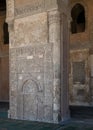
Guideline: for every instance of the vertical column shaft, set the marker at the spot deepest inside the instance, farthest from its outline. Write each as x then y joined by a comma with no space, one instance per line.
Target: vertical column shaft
54,37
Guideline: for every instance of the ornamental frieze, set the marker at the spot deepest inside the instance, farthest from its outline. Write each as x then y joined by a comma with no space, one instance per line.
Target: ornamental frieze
34,7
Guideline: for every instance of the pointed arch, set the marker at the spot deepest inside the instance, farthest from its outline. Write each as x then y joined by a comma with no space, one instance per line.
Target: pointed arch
78,23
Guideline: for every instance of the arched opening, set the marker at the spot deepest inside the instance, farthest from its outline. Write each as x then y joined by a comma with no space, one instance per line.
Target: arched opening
4,58
78,19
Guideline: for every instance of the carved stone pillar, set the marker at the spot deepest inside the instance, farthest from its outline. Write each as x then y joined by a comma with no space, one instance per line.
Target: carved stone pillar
59,36
54,37
12,55
28,45
12,73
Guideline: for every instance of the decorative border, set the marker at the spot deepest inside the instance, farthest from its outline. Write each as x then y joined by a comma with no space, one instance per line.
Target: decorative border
29,9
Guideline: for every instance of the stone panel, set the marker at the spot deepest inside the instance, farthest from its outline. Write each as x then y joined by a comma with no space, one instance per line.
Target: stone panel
30,7
35,6
79,72
34,73
31,30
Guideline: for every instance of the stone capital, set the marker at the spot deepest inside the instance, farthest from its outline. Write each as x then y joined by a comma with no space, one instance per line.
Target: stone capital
54,16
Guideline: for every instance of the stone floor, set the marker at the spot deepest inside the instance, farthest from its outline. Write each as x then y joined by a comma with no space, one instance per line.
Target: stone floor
6,124
73,124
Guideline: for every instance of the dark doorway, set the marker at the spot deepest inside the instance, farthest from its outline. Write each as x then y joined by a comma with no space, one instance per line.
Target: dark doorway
78,19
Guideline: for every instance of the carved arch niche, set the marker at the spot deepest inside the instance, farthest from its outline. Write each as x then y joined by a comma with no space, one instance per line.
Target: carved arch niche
29,100
29,93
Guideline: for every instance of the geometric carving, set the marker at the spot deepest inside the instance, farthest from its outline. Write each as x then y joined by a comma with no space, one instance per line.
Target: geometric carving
33,67
34,6
34,64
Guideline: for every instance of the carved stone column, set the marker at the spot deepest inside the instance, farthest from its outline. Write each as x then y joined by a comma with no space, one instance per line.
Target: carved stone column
59,36
12,73
12,65
54,37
